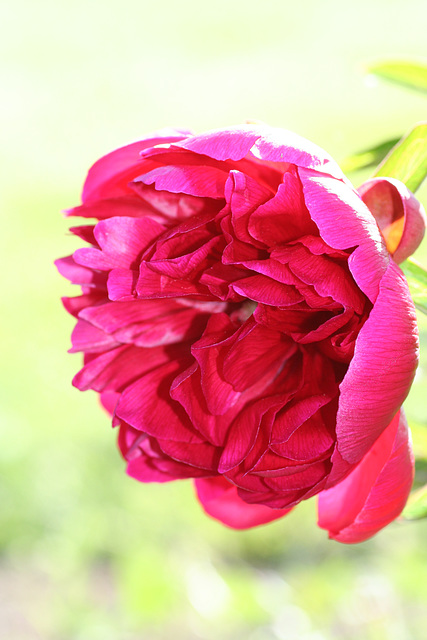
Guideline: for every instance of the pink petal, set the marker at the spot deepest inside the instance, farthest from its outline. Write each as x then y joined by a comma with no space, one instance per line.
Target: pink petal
147,406
121,284
157,285
244,195
78,303
310,440
301,479
122,240
256,352
77,274
382,369
266,291
147,323
86,337
284,217
324,274
146,462
186,389
129,206
205,181
265,143
345,222
243,433
220,500
117,368
399,215
198,455
248,435
185,266
374,493
171,207
219,394
110,175
233,143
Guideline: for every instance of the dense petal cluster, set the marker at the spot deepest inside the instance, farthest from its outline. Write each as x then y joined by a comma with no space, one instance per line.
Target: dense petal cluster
246,326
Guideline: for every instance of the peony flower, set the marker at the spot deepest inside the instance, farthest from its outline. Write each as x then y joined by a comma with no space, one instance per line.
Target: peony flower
246,325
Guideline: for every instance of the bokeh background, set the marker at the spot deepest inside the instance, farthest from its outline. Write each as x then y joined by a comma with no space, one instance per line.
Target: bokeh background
87,553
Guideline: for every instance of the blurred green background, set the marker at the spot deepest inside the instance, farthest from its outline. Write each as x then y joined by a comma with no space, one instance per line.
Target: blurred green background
86,553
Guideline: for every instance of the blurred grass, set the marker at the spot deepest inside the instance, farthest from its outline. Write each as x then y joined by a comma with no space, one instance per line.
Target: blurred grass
86,553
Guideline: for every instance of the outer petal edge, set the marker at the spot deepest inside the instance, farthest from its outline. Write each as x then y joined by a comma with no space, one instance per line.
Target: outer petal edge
219,499
375,492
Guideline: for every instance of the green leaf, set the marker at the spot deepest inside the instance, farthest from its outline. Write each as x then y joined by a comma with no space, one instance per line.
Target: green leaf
368,157
416,507
416,276
407,161
409,73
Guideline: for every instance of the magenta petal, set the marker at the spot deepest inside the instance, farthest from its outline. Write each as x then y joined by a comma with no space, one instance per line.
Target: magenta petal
110,175
86,337
220,500
266,290
195,181
122,240
77,274
374,493
399,215
219,394
243,432
147,462
345,222
147,406
147,323
257,352
284,217
121,284
78,303
154,285
324,274
265,143
186,389
117,368
382,369
129,206
199,455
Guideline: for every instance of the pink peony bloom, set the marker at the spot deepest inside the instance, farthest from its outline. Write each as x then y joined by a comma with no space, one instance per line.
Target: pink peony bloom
246,325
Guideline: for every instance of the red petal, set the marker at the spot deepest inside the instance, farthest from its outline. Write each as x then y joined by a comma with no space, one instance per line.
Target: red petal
122,241
77,274
110,175
264,143
147,406
284,217
147,323
220,500
374,493
382,369
345,222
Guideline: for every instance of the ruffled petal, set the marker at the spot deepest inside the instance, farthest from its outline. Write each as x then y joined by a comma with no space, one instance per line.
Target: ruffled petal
375,492
147,323
345,222
147,406
220,500
110,175
382,370
265,143
121,240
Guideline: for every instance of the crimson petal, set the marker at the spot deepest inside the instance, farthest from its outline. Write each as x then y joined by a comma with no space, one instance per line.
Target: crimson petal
220,500
375,492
